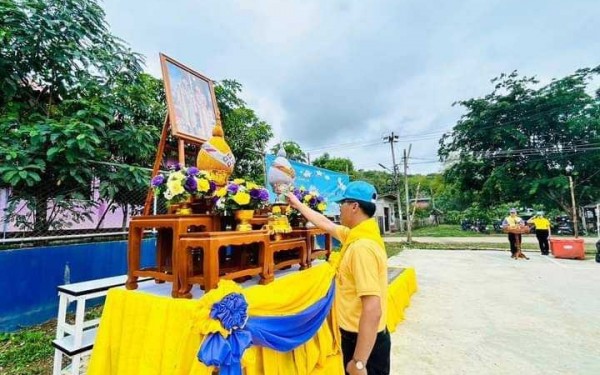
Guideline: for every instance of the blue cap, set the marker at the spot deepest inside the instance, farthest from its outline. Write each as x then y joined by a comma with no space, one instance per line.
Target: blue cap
358,190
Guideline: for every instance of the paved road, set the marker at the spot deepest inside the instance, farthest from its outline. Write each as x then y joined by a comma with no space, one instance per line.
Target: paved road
491,239
480,312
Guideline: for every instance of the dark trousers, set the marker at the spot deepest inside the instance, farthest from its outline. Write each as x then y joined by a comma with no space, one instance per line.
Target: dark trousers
542,237
515,240
379,360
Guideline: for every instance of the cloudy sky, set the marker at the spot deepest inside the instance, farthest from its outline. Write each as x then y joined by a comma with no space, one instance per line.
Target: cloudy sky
339,75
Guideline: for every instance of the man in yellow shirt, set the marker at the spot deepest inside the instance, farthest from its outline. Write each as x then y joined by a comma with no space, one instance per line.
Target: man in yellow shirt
361,280
542,231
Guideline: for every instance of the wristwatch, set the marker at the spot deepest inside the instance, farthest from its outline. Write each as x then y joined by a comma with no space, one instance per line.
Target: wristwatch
360,365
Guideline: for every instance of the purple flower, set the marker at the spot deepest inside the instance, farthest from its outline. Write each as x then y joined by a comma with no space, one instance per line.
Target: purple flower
190,185
158,180
232,188
213,186
264,195
255,193
193,171
174,167
231,311
313,201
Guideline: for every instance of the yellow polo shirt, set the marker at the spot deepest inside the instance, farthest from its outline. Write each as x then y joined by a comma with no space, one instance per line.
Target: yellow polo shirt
362,272
541,223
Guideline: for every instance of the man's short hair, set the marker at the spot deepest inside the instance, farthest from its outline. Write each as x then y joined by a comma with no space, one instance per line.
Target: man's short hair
367,207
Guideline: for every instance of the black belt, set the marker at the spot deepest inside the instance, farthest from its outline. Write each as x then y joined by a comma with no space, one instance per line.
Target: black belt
355,334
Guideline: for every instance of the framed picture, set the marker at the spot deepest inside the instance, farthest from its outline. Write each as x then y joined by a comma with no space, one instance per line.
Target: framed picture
191,101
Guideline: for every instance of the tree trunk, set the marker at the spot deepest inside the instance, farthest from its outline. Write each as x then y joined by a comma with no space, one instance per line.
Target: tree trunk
41,211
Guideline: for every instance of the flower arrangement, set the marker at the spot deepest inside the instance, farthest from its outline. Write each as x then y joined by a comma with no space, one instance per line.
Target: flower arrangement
240,194
311,199
182,183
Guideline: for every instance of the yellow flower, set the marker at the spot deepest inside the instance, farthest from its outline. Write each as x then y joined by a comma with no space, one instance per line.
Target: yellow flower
176,176
221,192
241,198
276,210
175,187
321,207
238,181
307,198
203,185
251,185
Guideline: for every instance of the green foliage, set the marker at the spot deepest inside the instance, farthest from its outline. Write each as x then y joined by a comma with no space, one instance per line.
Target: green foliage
343,165
246,134
70,93
514,144
292,149
382,180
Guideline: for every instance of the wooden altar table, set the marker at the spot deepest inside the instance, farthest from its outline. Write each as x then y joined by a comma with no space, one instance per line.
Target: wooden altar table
170,228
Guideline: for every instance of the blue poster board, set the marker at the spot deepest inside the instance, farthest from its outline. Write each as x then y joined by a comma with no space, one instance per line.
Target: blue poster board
327,183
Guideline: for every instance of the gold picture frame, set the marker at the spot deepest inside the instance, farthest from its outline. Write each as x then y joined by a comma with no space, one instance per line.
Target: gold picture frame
191,101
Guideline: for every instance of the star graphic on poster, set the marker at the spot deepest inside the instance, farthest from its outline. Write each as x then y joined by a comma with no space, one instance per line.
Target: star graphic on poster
307,174
327,177
319,173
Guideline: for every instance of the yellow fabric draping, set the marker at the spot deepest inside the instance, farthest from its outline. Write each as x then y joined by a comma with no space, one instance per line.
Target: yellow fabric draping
398,298
146,334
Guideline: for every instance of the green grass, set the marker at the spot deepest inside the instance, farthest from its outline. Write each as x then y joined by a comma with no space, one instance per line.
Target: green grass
28,351
445,230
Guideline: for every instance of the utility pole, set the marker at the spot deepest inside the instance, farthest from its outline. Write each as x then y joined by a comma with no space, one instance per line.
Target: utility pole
408,220
393,139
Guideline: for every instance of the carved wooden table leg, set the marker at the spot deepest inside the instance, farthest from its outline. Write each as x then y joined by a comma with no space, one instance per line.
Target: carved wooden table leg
185,267
133,256
211,266
266,258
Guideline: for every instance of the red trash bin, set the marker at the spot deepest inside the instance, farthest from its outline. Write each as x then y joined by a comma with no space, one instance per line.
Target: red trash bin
568,248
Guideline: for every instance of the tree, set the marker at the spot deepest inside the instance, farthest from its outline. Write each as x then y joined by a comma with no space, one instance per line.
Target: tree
65,83
514,144
245,133
292,150
383,181
342,165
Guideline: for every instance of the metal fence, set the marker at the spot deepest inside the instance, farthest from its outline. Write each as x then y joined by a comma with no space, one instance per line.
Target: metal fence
53,214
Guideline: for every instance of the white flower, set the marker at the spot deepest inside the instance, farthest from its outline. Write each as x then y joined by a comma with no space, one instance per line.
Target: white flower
168,195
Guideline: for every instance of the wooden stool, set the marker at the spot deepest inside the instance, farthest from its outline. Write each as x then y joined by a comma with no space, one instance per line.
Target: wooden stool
288,244
170,228
311,243
210,243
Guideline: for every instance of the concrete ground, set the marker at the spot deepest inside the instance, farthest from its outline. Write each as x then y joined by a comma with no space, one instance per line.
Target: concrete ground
481,312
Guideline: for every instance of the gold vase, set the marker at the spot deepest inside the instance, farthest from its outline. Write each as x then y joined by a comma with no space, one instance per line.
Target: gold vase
243,218
185,207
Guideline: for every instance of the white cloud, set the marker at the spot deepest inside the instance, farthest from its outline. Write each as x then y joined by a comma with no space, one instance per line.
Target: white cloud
348,71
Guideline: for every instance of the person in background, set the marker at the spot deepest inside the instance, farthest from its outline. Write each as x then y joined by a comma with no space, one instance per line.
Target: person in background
513,221
542,231
361,279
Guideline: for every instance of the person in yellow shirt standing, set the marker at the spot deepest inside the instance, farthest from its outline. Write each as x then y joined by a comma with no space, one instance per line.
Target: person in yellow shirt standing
361,279
542,231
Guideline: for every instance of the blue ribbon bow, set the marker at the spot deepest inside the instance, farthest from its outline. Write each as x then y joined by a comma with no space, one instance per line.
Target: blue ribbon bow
281,333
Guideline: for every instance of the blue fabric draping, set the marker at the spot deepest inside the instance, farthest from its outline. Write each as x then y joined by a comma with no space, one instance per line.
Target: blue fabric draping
281,333
284,333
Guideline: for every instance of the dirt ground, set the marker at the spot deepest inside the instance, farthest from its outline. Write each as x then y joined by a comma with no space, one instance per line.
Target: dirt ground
481,312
